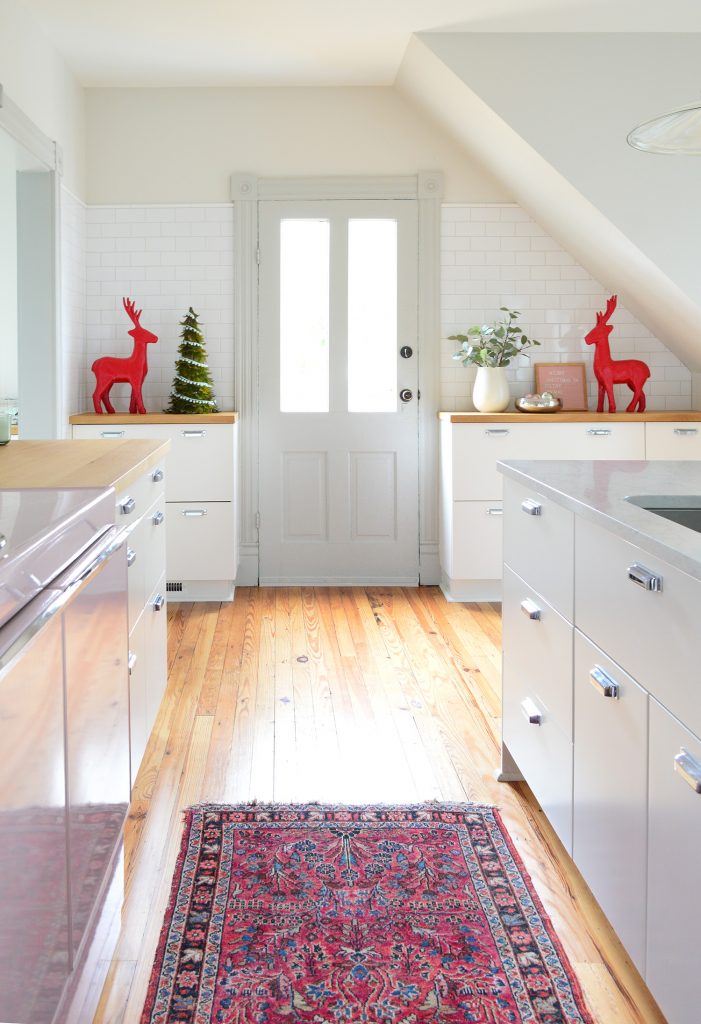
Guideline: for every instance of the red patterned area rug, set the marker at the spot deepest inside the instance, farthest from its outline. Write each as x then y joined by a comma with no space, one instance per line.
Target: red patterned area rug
345,915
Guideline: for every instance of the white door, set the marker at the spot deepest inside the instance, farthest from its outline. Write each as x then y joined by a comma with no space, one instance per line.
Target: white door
338,392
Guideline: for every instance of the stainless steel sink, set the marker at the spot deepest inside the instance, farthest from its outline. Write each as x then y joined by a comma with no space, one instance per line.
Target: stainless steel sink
684,509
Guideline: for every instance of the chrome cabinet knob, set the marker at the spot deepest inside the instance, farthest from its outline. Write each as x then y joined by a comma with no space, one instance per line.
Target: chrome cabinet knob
644,577
158,602
157,518
603,683
131,557
689,769
157,476
531,507
531,712
127,506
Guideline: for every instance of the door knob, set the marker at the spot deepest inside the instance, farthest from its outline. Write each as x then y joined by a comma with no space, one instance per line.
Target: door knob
406,352
406,394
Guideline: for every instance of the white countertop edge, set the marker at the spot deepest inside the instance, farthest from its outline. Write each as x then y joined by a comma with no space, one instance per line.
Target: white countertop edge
569,483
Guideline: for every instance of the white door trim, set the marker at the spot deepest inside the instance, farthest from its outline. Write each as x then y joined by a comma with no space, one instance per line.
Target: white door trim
246,190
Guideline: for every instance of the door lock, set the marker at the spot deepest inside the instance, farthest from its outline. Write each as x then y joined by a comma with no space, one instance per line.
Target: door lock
406,395
406,352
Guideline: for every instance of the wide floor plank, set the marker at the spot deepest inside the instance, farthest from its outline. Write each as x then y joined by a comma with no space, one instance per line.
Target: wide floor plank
341,695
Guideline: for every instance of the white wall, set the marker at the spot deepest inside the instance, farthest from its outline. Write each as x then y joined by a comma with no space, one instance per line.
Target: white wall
35,77
8,268
73,296
574,98
496,255
165,258
181,145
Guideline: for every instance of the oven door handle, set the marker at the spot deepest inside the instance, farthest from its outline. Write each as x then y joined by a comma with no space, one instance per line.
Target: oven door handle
62,592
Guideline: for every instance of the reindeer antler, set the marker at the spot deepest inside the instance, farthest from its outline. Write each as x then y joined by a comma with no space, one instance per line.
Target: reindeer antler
132,313
610,306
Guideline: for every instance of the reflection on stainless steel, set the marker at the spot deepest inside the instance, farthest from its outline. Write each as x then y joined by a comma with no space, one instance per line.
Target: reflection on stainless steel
64,769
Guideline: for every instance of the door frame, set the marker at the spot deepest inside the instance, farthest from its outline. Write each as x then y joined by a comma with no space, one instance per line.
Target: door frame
426,188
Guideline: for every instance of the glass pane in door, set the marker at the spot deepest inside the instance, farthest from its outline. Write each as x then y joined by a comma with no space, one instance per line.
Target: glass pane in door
304,315
372,315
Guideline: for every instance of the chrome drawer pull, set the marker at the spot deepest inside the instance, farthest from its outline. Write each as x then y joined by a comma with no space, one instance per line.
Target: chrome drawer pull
157,518
495,511
131,557
132,661
3,541
531,609
158,602
595,432
531,507
111,433
194,433
689,769
157,476
500,432
127,506
685,431
644,577
194,512
603,683
531,712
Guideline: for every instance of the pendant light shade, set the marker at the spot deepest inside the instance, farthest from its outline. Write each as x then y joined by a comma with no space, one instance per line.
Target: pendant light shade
676,132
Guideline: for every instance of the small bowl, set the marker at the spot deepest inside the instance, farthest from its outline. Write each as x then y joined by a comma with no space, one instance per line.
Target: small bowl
538,403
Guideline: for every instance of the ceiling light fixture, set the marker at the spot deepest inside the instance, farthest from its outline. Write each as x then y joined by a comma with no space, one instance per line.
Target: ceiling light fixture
679,131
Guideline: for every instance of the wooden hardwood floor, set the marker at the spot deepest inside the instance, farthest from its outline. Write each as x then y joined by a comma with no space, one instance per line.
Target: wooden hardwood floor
345,695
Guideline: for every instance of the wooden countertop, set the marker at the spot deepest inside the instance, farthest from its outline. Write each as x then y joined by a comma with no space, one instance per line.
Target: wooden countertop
686,416
153,417
29,464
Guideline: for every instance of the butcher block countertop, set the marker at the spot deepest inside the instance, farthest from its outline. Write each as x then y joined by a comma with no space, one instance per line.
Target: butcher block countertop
675,416
152,417
48,464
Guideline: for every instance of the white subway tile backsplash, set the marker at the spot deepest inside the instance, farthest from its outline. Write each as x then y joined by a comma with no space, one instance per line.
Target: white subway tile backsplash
167,259
525,269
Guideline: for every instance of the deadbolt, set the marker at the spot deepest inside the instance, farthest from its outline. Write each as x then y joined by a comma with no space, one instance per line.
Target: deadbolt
406,352
406,395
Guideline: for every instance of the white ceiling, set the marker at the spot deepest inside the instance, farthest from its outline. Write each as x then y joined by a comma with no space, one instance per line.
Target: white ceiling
304,42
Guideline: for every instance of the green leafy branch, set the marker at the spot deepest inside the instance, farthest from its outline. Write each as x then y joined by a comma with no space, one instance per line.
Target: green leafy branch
493,344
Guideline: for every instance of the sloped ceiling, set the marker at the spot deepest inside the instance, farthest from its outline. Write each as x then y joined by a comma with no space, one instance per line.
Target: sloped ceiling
548,115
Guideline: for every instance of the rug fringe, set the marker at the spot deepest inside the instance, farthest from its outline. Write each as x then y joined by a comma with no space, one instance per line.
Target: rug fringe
263,805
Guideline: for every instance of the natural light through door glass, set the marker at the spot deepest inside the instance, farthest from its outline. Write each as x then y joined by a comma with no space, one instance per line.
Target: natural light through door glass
372,315
304,315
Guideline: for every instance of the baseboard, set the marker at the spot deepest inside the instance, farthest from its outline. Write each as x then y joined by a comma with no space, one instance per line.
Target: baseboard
429,565
470,590
339,581
247,575
200,590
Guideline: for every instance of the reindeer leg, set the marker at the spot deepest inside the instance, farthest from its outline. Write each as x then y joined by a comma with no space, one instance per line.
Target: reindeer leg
97,400
600,404
641,401
132,402
138,400
609,395
106,399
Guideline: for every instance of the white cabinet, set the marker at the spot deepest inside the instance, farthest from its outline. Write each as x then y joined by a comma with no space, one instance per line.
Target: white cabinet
202,532
141,507
471,486
603,723
610,791
674,440
674,842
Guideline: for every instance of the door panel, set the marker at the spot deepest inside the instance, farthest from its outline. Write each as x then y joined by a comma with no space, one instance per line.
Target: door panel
339,445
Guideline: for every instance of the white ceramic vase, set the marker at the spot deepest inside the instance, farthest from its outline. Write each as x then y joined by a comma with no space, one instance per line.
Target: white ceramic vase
491,389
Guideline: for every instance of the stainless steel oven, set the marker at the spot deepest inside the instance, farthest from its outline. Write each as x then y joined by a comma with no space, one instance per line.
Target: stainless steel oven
64,741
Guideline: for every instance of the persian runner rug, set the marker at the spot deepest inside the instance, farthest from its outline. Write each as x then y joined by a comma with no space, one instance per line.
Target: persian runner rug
324,914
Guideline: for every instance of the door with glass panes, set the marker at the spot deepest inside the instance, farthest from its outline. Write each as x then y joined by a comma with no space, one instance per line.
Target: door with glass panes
338,392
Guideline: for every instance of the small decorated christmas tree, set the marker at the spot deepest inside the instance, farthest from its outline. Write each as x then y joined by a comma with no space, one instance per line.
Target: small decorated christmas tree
193,390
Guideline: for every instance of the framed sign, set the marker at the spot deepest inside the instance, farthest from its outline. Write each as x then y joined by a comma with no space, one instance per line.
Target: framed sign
567,381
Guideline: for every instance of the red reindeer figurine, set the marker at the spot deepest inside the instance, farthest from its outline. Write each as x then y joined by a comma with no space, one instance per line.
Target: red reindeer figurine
608,371
111,370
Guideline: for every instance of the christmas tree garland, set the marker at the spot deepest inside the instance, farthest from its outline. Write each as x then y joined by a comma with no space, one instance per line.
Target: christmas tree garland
193,389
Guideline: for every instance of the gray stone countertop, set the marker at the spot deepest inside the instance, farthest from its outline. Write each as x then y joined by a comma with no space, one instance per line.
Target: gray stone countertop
597,491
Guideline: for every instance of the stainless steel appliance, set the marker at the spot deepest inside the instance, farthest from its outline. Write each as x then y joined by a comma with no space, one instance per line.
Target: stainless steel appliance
64,739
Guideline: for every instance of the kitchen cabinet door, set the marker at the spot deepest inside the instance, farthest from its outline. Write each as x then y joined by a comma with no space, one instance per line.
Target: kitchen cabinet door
673,893
610,791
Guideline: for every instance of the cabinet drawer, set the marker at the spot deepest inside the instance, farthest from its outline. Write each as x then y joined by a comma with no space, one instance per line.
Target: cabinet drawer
155,635
599,439
200,461
538,654
609,832
673,895
673,440
154,542
138,714
543,754
540,547
478,447
200,541
653,635
477,543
